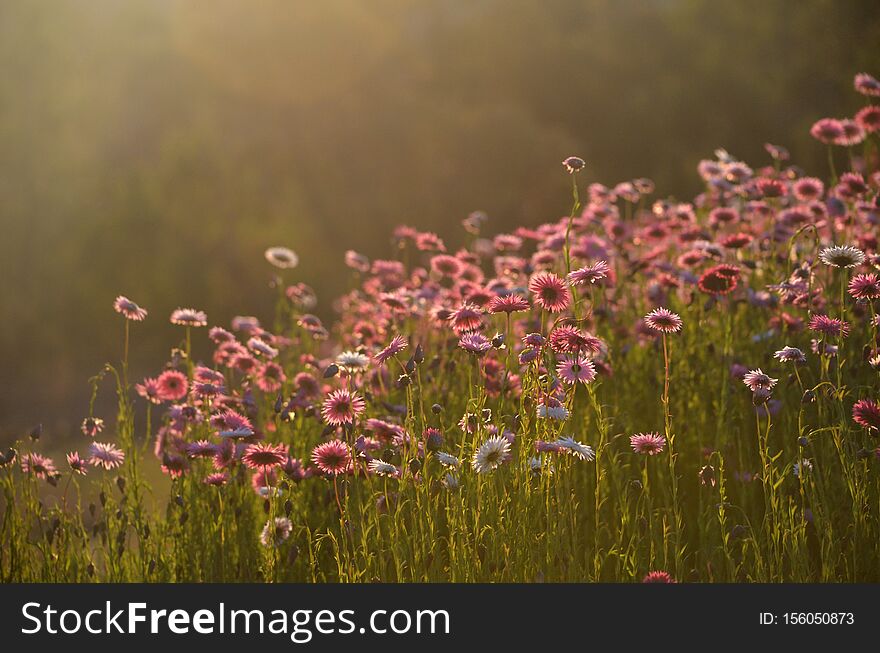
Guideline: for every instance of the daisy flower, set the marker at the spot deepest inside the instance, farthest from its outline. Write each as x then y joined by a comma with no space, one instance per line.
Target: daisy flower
574,164
106,455
171,385
658,577
790,355
842,256
589,274
575,448
149,390
866,413
550,292
574,370
719,280
232,425
663,320
511,303
352,361
276,533
475,343
826,130
189,317
866,84
342,407
491,454
264,455
552,409
447,459
217,479
332,457
127,308
38,465
831,327
647,443
77,464
568,339
201,449
260,346
467,317
758,380
282,257
865,286
91,426
381,468
398,344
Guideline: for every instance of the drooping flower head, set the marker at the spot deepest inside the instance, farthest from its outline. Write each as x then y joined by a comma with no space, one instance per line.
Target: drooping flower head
342,407
550,292
866,84
573,447
574,164
127,308
332,457
663,320
475,343
647,443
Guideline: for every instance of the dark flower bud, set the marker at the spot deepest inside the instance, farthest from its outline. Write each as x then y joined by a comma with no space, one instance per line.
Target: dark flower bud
279,403
36,432
184,516
415,465
120,483
419,355
403,380
331,370
803,441
436,409
809,397
410,366
498,341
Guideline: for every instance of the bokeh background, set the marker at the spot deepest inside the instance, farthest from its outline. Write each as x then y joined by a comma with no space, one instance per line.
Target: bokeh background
156,148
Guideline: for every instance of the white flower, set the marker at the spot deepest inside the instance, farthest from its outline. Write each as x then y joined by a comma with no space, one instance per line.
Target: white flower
450,481
278,534
842,256
382,468
790,355
553,412
447,459
282,257
804,464
572,446
491,454
536,464
352,361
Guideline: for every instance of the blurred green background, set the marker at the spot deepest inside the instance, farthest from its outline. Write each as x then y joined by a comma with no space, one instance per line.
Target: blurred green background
156,148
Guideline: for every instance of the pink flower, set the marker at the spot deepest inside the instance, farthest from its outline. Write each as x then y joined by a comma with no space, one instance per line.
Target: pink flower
475,343
124,306
831,327
171,385
332,457
511,303
189,317
264,455
550,292
574,370
866,413
827,130
865,286
589,274
342,407
106,455
398,344
647,443
663,320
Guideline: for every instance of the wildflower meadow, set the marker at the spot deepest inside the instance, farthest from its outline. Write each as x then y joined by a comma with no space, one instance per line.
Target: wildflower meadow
642,390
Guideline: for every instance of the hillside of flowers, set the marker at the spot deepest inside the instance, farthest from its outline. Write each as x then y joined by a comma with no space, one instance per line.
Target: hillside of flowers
643,390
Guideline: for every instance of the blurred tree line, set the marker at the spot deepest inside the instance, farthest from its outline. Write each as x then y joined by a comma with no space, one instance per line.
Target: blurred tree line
155,148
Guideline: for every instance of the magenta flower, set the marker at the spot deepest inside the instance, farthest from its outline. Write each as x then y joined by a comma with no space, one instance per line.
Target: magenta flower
865,286
511,303
758,380
398,344
264,455
830,327
77,464
332,458
647,443
576,370
475,343
342,407
658,577
40,466
663,320
171,385
91,426
866,413
550,292
589,274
